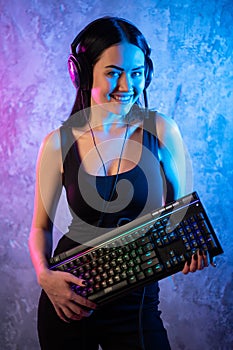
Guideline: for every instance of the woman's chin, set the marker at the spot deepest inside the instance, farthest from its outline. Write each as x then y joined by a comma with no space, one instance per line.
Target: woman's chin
118,108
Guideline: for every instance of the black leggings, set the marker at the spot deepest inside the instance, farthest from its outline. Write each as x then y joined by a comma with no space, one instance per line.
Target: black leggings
117,326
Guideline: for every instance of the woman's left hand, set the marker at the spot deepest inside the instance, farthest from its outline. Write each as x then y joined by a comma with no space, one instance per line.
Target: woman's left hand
198,261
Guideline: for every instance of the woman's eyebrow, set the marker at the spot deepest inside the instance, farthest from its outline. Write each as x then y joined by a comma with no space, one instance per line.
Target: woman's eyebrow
121,69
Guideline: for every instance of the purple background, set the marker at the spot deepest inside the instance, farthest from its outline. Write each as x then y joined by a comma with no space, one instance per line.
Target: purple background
192,46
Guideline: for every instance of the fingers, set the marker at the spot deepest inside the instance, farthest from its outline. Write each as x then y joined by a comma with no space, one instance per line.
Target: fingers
76,313
73,279
77,299
72,312
212,262
191,264
186,267
205,259
67,303
61,314
198,261
194,262
74,297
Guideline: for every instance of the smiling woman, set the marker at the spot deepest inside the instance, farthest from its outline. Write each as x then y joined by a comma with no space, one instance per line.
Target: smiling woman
118,76
115,160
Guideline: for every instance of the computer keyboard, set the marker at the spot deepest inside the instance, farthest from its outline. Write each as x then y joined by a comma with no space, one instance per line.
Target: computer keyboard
147,249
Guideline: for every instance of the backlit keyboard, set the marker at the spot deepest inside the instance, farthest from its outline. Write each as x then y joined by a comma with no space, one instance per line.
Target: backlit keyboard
147,249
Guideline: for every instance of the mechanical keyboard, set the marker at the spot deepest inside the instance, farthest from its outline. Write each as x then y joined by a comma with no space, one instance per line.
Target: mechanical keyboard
147,249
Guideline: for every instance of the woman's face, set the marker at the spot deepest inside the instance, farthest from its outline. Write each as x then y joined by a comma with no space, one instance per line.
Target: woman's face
118,78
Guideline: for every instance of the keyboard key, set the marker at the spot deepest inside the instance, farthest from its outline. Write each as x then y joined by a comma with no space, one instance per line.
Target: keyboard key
174,261
137,269
106,266
90,291
149,263
158,268
182,258
140,276
100,269
126,257
130,272
148,247
143,241
104,275
108,290
149,272
172,236
96,287
132,279
123,275
148,255
116,278
113,255
110,281
172,253
97,278
159,242
165,240
103,284
156,235
133,254
131,263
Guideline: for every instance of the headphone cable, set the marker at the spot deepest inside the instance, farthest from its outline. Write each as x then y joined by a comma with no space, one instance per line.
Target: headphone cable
105,202
140,323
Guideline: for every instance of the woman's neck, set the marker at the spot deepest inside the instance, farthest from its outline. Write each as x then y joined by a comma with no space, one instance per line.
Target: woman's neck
103,120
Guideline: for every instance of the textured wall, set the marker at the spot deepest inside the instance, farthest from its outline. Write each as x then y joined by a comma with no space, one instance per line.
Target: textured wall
192,49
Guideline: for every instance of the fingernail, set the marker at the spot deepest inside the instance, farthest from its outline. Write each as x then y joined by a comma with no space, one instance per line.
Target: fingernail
195,256
84,283
200,252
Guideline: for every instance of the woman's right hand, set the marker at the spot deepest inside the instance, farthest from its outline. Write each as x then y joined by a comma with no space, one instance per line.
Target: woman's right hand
68,304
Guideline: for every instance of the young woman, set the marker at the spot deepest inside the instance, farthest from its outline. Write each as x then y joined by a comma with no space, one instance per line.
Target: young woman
116,161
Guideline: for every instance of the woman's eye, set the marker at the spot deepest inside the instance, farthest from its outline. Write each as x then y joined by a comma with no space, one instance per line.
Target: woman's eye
137,74
113,74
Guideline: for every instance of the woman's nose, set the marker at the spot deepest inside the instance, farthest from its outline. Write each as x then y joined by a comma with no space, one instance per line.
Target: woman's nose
124,82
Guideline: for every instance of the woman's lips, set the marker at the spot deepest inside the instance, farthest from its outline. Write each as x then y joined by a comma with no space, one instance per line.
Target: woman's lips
122,98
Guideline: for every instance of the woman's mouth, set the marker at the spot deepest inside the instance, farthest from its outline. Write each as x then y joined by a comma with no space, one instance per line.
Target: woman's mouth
122,98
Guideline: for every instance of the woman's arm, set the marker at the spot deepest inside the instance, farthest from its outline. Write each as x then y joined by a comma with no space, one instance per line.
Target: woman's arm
48,188
172,157
47,192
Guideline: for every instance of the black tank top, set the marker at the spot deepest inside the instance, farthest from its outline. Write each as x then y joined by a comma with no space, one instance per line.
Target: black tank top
132,193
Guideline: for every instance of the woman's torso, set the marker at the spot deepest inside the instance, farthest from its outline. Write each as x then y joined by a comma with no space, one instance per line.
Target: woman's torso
100,203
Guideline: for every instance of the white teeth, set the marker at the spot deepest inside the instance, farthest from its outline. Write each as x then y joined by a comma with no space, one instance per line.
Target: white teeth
122,98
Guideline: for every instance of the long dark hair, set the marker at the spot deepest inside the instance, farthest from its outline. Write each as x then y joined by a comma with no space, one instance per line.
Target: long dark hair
96,37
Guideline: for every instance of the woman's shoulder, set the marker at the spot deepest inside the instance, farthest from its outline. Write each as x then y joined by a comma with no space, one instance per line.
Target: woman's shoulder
164,121
51,142
156,117
165,127
50,155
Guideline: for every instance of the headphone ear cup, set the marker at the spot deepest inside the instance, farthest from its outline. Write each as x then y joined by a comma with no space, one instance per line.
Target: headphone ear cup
80,71
73,71
149,72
